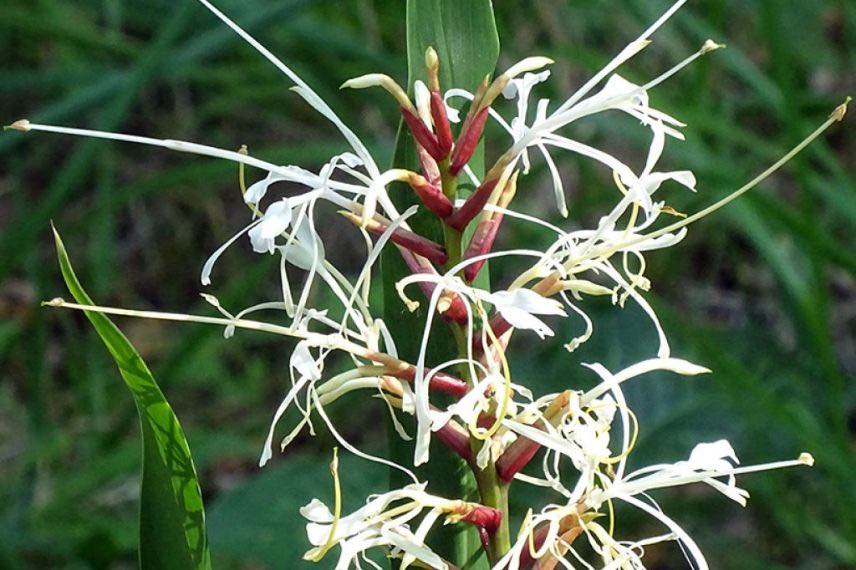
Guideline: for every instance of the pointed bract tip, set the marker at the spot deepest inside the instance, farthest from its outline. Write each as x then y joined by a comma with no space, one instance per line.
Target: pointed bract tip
23,125
432,61
806,459
841,110
711,45
55,302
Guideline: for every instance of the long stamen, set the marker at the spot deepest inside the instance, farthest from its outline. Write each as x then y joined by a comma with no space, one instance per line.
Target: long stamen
707,47
316,339
836,117
657,482
174,145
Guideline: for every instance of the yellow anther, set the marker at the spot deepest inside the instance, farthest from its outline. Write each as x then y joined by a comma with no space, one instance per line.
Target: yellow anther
806,459
23,125
841,110
710,46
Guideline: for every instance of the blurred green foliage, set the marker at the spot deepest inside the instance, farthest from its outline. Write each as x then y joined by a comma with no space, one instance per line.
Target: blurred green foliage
764,292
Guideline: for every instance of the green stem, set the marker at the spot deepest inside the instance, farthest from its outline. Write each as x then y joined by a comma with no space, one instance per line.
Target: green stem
492,491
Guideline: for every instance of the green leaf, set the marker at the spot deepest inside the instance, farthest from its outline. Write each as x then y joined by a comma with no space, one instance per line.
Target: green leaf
172,517
463,34
465,38
257,523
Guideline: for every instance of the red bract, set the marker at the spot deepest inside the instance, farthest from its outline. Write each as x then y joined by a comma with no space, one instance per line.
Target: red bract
439,382
480,244
467,141
430,170
472,206
441,123
432,196
422,134
456,439
414,242
484,517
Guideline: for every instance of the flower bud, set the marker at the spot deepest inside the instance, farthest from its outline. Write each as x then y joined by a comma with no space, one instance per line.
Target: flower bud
432,66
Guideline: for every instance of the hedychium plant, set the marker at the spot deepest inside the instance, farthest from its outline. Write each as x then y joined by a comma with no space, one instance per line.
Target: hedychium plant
472,401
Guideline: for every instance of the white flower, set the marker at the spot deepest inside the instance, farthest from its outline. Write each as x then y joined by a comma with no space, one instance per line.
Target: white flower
383,522
520,306
274,222
308,372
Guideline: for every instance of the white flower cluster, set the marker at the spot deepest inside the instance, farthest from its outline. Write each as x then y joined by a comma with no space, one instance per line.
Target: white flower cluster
495,422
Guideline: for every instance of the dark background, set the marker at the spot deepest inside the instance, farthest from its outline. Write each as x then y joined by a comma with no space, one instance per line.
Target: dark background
763,292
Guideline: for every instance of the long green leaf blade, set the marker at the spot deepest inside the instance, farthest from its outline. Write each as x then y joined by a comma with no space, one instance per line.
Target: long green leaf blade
172,517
